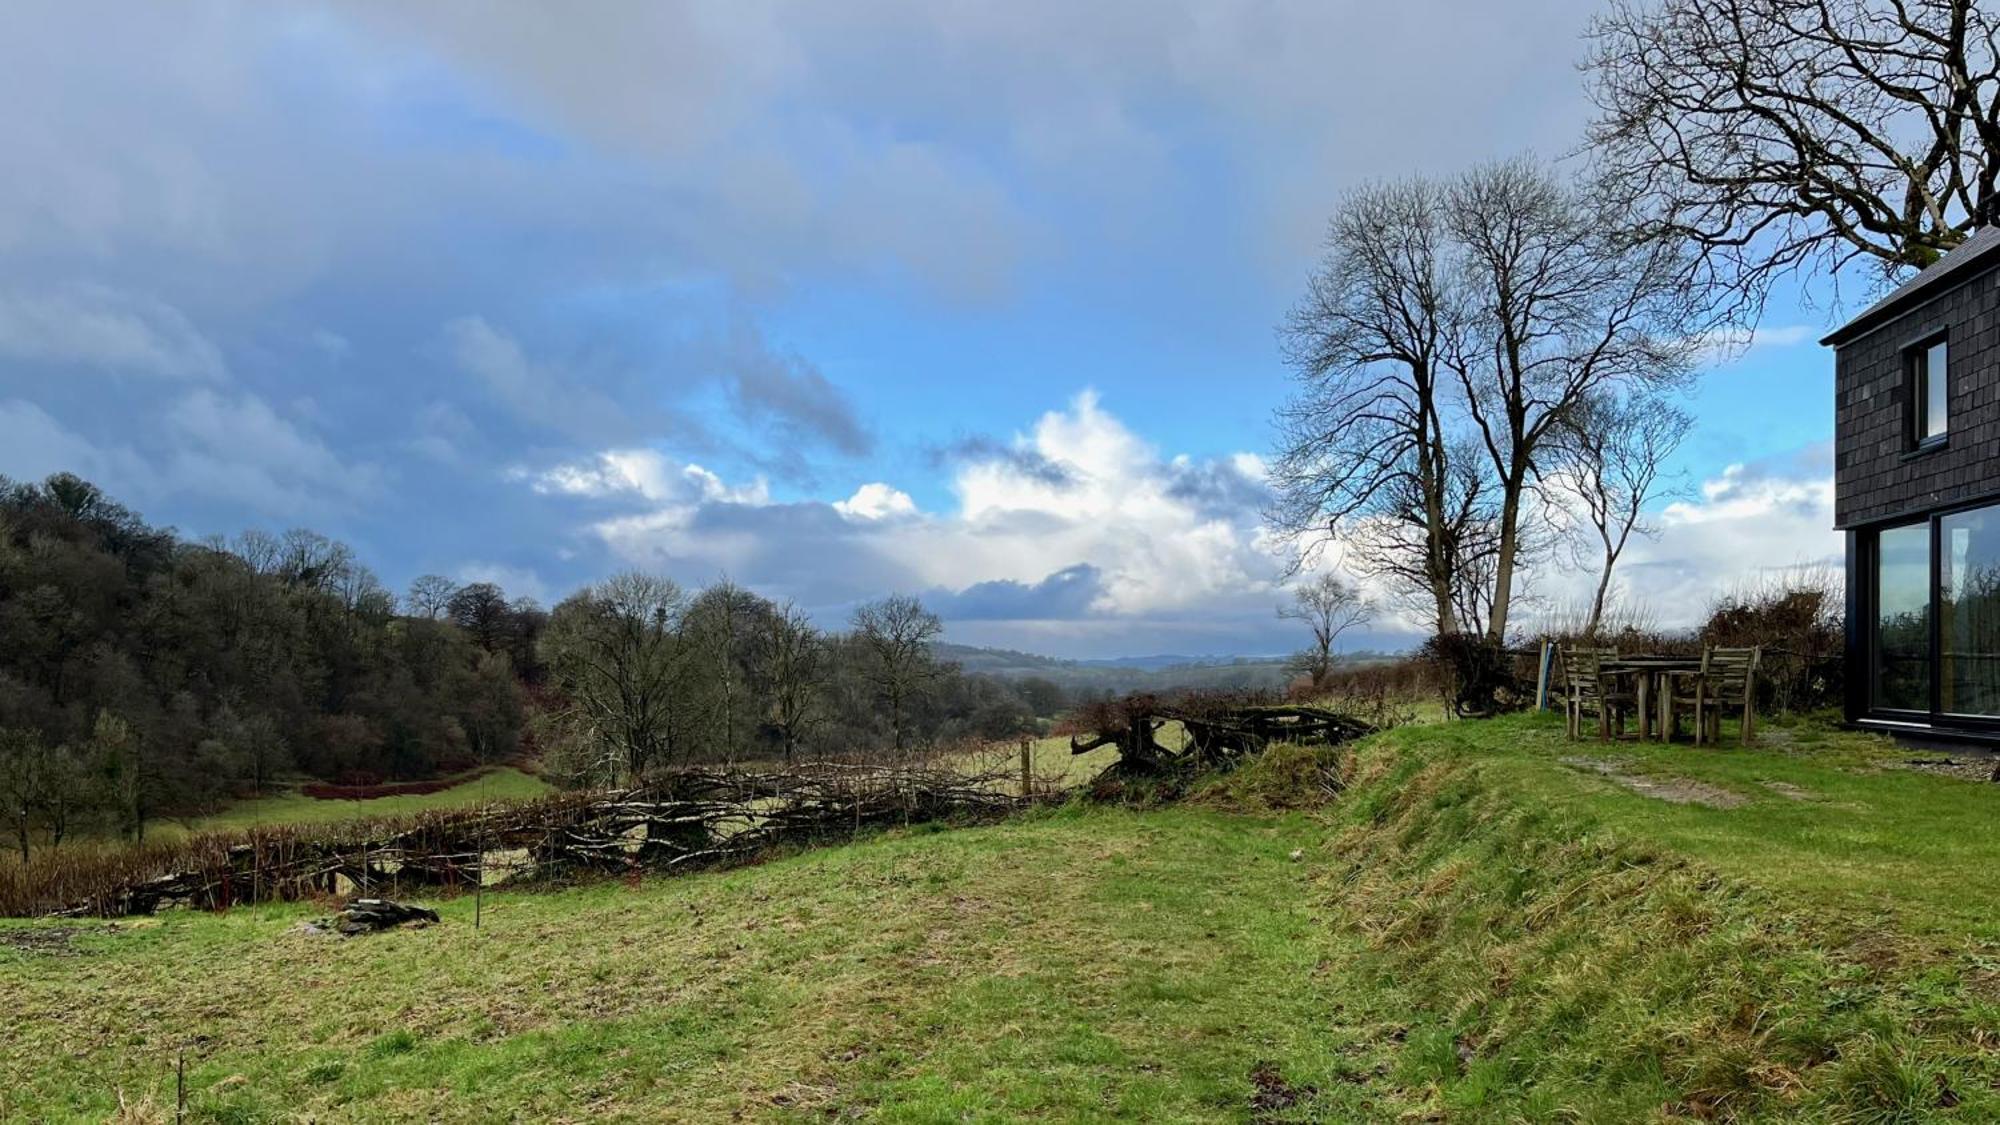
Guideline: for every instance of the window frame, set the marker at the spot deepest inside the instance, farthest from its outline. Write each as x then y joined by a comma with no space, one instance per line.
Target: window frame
1873,620
1867,598
1918,379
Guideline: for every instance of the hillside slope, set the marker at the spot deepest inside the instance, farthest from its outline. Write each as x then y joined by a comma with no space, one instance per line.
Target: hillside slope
1490,924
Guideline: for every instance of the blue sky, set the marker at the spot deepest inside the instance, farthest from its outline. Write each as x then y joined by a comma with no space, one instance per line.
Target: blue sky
971,301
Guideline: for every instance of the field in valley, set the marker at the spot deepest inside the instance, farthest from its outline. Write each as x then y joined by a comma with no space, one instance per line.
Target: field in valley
505,783
1490,924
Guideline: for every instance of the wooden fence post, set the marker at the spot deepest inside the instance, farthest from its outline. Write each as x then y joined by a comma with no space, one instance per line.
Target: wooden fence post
1027,768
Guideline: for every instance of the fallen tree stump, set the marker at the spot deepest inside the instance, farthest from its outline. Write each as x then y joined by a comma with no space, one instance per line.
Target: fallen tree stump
1218,732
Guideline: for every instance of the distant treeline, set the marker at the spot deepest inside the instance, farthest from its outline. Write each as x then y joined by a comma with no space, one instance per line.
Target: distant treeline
143,675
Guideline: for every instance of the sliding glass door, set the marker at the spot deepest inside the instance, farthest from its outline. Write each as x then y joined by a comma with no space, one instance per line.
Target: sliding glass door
1935,596
1902,680
1968,612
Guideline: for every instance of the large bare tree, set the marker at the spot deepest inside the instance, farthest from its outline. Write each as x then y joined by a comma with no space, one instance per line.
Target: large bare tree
1784,136
615,655
1615,457
795,668
430,596
1449,329
896,634
1364,451
1558,307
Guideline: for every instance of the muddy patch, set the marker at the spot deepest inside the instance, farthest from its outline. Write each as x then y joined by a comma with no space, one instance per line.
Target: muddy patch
1673,790
1271,1095
1967,768
49,941
1788,791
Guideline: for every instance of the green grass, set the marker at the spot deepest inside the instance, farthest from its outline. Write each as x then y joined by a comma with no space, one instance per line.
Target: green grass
1829,820
503,784
1569,949
1476,930
1070,966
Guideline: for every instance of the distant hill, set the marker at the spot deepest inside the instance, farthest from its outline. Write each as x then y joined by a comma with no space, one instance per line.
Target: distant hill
1126,673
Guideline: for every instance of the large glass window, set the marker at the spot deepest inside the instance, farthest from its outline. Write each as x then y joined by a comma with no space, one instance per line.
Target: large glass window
1902,618
1969,612
1930,386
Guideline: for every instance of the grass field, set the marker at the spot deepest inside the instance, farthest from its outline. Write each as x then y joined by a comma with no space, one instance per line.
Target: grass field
1491,924
1070,966
503,784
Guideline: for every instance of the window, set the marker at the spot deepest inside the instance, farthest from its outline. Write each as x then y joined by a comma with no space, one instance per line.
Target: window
1969,612
1929,393
1902,680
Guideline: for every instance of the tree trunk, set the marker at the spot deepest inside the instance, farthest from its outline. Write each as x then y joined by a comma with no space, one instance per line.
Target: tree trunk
1503,565
1597,603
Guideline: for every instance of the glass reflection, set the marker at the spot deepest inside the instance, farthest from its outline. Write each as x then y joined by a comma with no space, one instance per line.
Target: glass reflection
1902,623
1969,612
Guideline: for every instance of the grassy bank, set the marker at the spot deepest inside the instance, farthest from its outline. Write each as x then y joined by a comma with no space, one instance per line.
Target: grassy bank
1616,932
1490,924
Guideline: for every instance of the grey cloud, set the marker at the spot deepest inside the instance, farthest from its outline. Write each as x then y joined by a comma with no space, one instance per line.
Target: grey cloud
984,448
97,327
1217,488
539,393
792,395
33,445
1063,595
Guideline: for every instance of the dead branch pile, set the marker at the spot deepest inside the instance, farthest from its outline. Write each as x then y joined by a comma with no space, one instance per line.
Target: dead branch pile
1216,730
685,820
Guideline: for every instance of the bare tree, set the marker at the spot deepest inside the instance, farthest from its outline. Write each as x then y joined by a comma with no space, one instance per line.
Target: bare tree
1783,136
480,608
430,595
1559,307
1329,606
1364,453
794,663
896,633
22,761
614,653
1616,455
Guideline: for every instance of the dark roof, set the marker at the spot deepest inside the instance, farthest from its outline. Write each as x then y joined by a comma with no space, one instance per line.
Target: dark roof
1954,266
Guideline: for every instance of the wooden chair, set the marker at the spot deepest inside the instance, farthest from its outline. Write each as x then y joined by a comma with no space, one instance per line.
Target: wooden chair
1587,688
1727,682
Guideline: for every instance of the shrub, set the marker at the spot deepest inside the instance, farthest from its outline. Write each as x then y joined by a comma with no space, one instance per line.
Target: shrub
1799,619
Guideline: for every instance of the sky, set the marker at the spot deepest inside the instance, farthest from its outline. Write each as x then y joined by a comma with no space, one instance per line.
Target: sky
966,300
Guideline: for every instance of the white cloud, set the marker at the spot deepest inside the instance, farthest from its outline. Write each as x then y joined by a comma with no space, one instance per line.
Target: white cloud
1159,537
646,474
516,581
1747,523
92,326
1729,345
876,501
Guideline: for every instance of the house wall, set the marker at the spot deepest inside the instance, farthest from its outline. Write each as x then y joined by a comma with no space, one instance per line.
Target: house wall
1876,477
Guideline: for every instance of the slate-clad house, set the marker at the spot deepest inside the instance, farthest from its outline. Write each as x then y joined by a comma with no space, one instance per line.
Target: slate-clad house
1917,490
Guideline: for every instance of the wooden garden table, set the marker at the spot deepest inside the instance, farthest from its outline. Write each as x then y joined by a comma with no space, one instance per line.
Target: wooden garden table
1654,676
